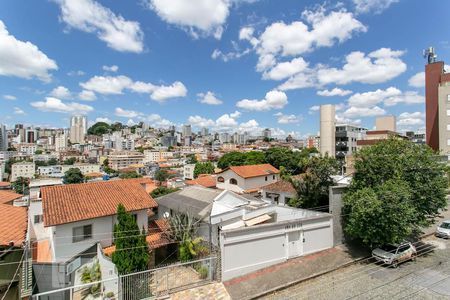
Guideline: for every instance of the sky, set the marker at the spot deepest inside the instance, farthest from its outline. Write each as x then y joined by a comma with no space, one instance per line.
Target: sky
230,65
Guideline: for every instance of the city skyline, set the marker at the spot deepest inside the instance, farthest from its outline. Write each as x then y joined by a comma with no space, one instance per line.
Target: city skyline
148,63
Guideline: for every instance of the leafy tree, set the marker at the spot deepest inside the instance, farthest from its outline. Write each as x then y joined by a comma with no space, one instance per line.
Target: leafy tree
203,168
8,165
110,171
52,161
106,163
99,128
70,161
191,159
128,175
312,186
241,158
116,126
73,175
38,151
132,253
161,191
419,180
161,176
21,185
254,158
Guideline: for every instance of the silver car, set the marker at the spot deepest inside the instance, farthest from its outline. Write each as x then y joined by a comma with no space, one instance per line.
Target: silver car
394,254
443,230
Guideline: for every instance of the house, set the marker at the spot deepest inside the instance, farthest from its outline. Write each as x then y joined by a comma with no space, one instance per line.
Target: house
279,192
188,171
22,169
205,180
70,220
247,179
14,247
250,233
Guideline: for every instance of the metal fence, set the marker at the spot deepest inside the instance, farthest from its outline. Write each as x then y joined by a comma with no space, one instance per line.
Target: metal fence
146,284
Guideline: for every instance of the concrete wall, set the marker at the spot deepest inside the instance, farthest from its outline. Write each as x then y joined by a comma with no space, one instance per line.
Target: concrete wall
444,118
327,130
335,209
244,184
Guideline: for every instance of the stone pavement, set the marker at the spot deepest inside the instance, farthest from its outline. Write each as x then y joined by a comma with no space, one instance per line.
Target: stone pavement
294,270
211,291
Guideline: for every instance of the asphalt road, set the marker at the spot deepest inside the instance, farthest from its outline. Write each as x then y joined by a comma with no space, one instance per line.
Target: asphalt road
428,277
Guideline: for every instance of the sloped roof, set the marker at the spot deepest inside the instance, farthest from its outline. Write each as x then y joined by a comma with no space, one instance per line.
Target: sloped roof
283,186
13,224
254,170
75,202
205,180
8,196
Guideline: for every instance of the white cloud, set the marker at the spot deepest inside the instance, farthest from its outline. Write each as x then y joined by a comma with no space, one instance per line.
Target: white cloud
372,98
411,119
115,85
343,120
287,119
209,98
222,123
354,112
18,111
56,105
334,92
417,80
273,100
378,66
235,115
90,16
112,68
217,54
103,119
286,69
87,95
163,92
305,79
251,126
61,92
9,97
157,121
313,109
120,112
373,6
198,121
23,59
76,73
408,97
226,121
198,17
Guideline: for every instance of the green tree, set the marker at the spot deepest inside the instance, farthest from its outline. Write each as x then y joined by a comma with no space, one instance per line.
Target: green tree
52,161
161,176
38,151
70,161
241,158
161,191
132,253
99,128
191,159
203,168
21,185
110,171
415,171
73,175
106,163
128,175
312,187
116,126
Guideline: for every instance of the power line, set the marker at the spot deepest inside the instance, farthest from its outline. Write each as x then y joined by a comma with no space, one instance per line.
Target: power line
15,274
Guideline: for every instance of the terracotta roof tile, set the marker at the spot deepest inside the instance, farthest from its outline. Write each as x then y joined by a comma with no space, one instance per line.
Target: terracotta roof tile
208,181
254,170
13,224
280,186
75,202
8,196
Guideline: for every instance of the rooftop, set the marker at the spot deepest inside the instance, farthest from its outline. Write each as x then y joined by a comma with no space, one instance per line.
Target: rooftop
76,202
254,170
7,196
205,180
283,186
13,224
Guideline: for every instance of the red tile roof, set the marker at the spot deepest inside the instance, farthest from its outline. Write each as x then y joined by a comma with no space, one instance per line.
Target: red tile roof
254,170
205,180
8,196
75,202
13,224
280,186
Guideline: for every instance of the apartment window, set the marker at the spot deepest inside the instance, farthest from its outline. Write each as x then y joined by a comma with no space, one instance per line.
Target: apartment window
38,219
81,233
448,127
266,178
448,142
448,112
448,98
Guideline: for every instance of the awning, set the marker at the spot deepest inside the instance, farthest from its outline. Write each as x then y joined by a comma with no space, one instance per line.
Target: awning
258,220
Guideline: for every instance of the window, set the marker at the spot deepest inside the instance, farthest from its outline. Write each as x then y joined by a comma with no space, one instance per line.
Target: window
448,127
38,219
220,179
448,142
448,112
233,181
273,177
266,178
81,233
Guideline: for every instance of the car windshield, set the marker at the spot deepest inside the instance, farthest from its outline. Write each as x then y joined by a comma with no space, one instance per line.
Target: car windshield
389,248
445,225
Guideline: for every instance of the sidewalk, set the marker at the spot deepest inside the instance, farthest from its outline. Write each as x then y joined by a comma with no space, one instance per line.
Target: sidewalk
294,270
445,215
212,291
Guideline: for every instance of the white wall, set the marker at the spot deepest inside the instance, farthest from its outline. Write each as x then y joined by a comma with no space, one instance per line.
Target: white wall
244,183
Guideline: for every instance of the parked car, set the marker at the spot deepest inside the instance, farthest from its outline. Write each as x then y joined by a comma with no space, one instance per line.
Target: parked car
443,230
394,254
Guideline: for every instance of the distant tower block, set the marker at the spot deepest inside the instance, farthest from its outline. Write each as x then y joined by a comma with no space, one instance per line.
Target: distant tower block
386,123
328,130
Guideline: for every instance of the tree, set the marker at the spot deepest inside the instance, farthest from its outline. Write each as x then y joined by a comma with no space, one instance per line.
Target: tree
39,151
52,161
106,163
161,191
399,167
70,161
99,128
203,168
132,253
110,171
191,159
21,185
241,158
161,176
312,186
128,175
73,175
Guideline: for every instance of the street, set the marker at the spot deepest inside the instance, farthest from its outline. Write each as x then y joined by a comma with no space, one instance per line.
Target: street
428,277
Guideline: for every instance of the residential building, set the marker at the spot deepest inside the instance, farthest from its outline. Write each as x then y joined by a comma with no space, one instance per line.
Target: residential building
50,171
328,130
78,129
26,148
3,138
346,138
61,141
155,156
187,130
205,180
374,136
31,135
267,134
22,169
123,159
84,168
313,142
386,123
188,171
247,179
279,193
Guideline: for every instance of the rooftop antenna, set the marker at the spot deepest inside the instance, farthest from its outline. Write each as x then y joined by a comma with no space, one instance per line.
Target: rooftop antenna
430,55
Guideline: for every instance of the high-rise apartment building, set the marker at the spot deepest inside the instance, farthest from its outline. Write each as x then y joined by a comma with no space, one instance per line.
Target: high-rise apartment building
267,133
78,129
346,139
328,130
3,138
187,130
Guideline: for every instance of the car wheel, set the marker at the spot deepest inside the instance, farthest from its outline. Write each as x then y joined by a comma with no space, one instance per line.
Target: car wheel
413,257
394,264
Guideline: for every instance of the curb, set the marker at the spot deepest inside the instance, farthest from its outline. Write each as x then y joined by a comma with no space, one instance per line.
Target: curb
294,282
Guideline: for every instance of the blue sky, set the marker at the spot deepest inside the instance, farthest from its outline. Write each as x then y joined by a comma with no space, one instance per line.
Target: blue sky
226,64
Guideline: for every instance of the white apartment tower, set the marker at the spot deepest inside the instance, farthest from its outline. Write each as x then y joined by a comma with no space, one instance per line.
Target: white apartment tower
187,130
78,129
328,130
3,138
